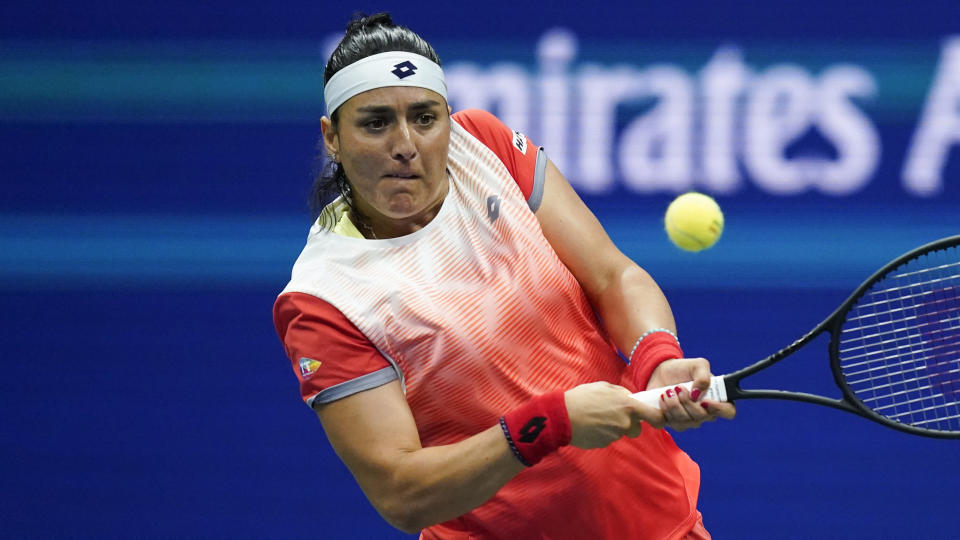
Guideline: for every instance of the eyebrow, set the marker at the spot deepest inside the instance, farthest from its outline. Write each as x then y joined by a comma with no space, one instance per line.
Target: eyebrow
380,109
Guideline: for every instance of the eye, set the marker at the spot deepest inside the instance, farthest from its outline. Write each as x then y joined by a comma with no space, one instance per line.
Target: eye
375,124
425,119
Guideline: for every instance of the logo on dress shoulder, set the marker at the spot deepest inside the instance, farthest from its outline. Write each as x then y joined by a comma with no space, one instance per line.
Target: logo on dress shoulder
308,366
520,141
493,207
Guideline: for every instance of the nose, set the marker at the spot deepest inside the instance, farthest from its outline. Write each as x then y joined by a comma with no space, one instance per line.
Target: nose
404,148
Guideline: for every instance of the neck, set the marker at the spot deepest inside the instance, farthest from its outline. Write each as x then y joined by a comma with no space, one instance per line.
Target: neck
363,225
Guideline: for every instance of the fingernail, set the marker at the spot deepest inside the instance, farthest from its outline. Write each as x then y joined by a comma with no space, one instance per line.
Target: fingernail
669,392
678,390
663,397
695,394
704,405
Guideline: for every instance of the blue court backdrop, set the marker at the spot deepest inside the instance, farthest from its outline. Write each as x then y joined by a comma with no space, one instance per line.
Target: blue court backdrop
154,164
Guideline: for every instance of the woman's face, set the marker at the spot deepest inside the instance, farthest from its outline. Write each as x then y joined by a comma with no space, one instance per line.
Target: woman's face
392,144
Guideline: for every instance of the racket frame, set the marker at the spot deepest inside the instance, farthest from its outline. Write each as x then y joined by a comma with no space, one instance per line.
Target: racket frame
833,324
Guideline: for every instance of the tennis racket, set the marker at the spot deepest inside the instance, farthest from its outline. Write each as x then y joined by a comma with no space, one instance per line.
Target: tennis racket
894,348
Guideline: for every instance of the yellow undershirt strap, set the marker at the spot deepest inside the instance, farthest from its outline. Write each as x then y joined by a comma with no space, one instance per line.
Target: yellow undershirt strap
345,226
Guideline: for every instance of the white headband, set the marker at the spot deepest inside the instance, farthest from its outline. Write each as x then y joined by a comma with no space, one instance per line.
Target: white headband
394,68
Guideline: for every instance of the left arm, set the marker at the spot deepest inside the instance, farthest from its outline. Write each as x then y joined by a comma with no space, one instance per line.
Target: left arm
628,300
625,296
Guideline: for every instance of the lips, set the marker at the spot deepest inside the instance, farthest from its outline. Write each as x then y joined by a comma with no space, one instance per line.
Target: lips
403,175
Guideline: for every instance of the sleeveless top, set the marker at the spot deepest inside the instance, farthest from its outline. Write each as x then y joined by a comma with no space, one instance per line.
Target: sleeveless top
477,314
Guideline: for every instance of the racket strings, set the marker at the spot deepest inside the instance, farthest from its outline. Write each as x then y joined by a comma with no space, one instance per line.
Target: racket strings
935,421
877,365
903,401
939,268
874,385
888,312
899,347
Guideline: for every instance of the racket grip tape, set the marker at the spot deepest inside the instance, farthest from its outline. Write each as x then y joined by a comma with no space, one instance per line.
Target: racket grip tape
716,392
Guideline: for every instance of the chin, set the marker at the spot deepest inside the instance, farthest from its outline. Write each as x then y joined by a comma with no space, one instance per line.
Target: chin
401,214
403,209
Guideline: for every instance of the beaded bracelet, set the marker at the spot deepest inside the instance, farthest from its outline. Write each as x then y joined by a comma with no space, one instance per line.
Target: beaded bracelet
652,331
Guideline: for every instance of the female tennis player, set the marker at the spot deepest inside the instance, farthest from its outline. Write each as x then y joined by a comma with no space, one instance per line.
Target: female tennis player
455,320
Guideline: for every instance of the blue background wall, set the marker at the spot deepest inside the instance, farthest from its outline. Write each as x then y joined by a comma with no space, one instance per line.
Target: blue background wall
154,163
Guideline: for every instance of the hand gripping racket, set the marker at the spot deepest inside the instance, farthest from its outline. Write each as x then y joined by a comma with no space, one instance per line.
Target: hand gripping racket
894,348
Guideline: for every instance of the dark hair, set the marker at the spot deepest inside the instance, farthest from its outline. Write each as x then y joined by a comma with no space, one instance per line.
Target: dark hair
366,35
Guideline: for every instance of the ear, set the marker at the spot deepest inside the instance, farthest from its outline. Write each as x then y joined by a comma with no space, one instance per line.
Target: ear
331,141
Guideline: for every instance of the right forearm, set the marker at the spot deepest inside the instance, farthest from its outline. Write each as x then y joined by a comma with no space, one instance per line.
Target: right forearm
434,484
375,435
414,487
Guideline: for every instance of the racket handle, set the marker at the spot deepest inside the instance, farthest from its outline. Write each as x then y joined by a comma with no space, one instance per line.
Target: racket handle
716,392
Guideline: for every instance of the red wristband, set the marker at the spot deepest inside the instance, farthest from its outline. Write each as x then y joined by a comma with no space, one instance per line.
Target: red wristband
649,353
537,428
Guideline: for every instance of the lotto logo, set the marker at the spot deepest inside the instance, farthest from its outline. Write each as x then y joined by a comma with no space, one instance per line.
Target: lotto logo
493,207
404,69
531,430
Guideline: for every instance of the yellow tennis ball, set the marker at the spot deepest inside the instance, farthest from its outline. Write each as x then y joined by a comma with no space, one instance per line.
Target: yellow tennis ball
694,221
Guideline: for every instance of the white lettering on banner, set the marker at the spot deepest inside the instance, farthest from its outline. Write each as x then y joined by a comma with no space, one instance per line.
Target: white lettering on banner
785,103
502,86
848,128
778,111
556,50
601,90
939,127
655,148
723,80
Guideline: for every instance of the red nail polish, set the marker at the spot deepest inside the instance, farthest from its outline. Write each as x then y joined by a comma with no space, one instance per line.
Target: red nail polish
669,392
704,405
663,397
695,394
678,390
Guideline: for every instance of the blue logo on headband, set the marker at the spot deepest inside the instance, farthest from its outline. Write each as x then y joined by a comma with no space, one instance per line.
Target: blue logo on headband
404,69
